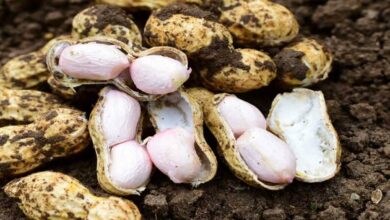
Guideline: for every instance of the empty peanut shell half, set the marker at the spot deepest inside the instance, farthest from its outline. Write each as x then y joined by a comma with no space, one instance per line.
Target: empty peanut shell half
301,119
145,75
109,21
178,149
52,195
123,164
49,130
253,154
262,23
303,63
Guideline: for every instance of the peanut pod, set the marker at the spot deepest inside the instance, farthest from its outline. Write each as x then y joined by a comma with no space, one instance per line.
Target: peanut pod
154,72
237,71
49,130
178,148
52,195
258,22
123,165
188,28
303,63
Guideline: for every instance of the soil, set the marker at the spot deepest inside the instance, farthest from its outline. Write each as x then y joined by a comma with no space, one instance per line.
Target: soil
358,98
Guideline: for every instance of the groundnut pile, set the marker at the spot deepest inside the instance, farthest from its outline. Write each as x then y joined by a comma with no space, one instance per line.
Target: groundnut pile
197,54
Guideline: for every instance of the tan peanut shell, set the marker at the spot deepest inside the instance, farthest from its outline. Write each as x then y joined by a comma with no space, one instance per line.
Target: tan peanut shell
301,119
24,106
205,153
102,149
123,82
240,70
60,90
28,70
225,138
303,63
59,133
188,28
105,20
52,195
144,4
258,22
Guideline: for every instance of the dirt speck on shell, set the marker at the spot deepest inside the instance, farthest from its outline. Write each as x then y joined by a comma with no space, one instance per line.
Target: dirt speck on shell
357,93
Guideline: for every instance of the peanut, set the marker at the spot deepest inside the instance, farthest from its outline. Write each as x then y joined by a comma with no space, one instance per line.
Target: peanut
156,74
172,152
266,155
240,115
93,61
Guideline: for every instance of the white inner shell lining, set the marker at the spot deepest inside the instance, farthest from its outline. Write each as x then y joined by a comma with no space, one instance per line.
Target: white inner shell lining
172,111
301,121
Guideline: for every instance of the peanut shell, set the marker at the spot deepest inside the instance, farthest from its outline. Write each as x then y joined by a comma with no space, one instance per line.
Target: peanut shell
52,195
303,63
226,140
181,110
106,21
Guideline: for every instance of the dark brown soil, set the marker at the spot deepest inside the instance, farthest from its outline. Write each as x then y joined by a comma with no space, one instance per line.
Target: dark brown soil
358,97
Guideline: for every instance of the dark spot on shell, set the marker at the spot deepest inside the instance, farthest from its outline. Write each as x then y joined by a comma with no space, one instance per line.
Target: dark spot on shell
27,58
219,55
49,188
79,195
184,9
51,115
3,139
289,61
266,65
106,15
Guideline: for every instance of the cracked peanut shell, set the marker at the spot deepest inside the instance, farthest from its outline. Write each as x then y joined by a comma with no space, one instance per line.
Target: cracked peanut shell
103,149
53,195
109,21
226,139
303,63
179,109
123,82
300,118
258,22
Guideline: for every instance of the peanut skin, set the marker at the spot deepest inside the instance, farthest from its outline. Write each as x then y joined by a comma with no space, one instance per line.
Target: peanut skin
159,75
93,61
52,195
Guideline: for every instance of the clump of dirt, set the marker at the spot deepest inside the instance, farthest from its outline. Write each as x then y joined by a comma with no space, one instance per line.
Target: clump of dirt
357,93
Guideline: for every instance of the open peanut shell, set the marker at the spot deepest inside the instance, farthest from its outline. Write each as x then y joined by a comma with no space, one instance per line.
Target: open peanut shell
181,110
123,81
301,119
226,139
102,148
